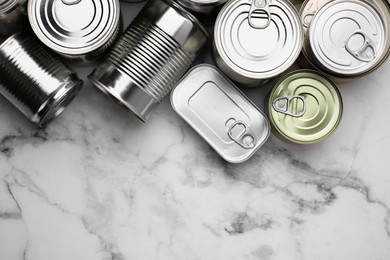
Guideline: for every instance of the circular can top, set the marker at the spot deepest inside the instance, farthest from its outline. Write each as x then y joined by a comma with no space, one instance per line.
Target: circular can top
348,38
258,39
305,107
8,5
201,5
74,27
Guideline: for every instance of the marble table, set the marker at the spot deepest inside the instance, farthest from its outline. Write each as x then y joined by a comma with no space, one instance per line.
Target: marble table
97,184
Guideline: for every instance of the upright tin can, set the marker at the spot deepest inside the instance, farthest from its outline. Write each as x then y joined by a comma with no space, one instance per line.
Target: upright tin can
80,30
220,113
346,38
304,107
150,57
35,81
256,40
13,16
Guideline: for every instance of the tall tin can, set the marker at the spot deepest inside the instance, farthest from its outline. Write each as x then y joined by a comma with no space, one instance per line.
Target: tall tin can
346,38
80,30
150,57
304,107
13,16
35,81
256,40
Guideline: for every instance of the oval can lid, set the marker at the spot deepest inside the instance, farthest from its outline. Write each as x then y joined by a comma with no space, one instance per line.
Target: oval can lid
220,113
258,42
348,37
305,107
74,27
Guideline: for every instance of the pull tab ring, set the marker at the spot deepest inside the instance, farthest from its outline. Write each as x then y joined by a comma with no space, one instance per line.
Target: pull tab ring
283,105
259,9
240,133
362,54
305,17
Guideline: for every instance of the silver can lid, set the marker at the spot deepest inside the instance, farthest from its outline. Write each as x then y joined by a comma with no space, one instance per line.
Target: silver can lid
258,39
348,38
220,113
7,5
74,27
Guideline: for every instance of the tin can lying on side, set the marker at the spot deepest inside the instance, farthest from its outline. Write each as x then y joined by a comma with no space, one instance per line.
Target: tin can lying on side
346,38
34,80
13,16
256,40
220,113
80,30
150,57
304,107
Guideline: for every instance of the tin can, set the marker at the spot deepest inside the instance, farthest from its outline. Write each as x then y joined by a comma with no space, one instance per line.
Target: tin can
304,107
346,38
13,16
256,40
206,7
220,113
35,81
80,30
150,57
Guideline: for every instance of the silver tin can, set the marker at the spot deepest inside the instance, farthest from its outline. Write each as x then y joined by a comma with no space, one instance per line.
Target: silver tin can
13,16
346,38
220,113
256,40
150,57
80,30
34,80
202,6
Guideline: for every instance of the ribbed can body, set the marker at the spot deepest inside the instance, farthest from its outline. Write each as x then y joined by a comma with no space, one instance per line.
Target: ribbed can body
149,58
34,80
13,16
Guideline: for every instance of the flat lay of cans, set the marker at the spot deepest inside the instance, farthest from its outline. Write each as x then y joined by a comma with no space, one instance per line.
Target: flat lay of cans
253,42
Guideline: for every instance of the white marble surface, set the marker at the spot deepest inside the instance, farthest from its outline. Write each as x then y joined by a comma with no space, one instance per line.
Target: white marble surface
99,184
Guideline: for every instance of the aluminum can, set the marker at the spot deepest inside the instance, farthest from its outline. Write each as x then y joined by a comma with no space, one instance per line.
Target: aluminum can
35,81
220,113
80,30
150,57
304,107
346,38
256,40
13,16
202,6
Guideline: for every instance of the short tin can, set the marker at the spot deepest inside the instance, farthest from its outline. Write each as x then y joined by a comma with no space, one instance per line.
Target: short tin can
346,38
13,16
34,80
80,30
304,107
150,57
220,113
256,40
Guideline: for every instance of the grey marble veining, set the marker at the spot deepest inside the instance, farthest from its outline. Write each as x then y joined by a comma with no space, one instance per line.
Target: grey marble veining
99,184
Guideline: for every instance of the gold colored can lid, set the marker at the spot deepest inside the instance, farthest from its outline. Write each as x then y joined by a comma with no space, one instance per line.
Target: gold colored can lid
305,107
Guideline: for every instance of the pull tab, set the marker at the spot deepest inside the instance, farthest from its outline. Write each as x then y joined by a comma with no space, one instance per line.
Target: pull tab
283,105
307,18
71,2
366,52
240,133
259,11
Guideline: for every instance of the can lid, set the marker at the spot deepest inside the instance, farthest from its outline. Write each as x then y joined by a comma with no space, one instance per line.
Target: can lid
305,107
74,27
220,113
258,39
7,5
348,37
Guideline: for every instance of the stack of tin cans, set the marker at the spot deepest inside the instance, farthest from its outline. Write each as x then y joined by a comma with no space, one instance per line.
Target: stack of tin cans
254,42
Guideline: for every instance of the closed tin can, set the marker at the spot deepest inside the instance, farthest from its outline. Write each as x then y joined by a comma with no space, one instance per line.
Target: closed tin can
34,80
150,57
202,6
80,30
13,16
256,40
304,107
346,38
220,113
